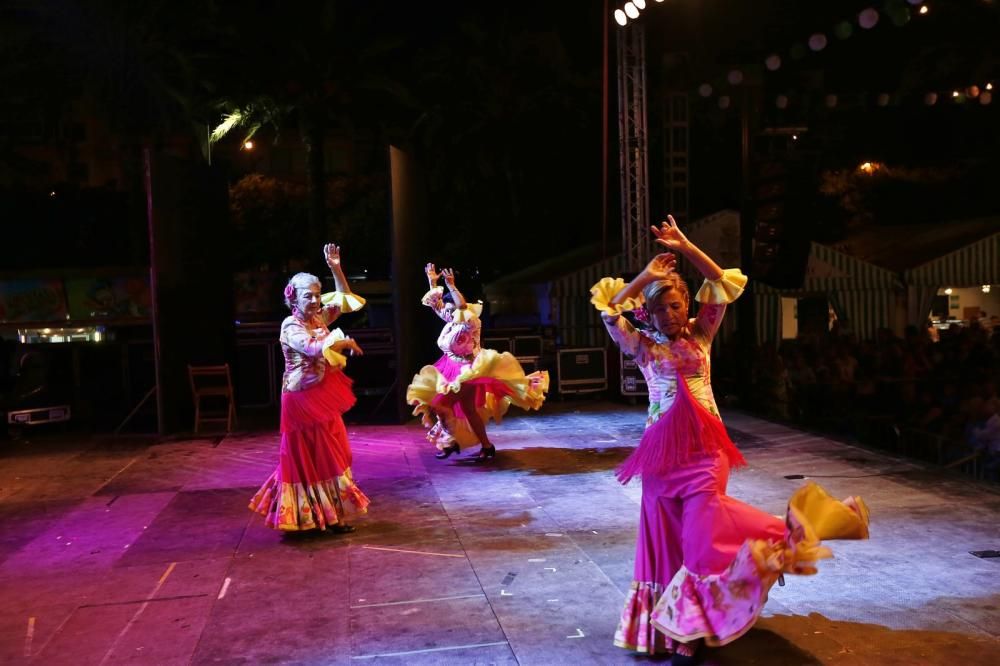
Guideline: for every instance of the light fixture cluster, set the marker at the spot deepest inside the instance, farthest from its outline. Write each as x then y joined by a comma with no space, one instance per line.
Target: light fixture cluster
899,14
630,11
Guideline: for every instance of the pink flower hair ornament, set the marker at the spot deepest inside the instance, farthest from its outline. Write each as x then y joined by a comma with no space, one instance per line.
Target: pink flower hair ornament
290,293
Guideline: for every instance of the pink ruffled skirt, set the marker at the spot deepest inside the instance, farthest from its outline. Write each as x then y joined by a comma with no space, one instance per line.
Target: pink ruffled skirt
312,485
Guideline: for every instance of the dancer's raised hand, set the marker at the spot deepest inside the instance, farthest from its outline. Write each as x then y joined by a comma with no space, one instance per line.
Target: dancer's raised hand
432,275
449,277
332,254
660,266
670,236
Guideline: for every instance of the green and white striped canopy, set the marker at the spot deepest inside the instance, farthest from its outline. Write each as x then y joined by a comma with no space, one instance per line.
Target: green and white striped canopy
975,264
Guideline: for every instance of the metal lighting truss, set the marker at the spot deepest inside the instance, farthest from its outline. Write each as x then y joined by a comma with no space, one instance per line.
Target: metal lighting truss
633,146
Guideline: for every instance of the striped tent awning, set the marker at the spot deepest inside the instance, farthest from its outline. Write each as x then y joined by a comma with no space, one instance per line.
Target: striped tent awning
828,269
579,324
975,264
860,292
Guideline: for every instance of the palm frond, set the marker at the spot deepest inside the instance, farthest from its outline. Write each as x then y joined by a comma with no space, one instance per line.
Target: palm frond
231,121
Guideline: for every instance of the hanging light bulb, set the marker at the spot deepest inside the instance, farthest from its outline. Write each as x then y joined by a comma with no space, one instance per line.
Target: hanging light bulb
924,10
631,10
724,102
817,42
639,4
985,98
705,90
831,101
735,77
930,99
620,17
781,101
773,62
868,18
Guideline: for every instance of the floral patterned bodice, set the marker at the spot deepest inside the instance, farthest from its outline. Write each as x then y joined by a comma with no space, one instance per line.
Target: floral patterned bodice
303,341
661,360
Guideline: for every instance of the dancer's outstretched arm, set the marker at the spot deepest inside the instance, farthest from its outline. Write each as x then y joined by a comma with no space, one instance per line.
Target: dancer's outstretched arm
670,236
332,254
713,305
343,299
657,269
449,279
432,276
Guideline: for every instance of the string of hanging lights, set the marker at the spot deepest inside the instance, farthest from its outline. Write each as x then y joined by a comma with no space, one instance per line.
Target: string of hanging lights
898,12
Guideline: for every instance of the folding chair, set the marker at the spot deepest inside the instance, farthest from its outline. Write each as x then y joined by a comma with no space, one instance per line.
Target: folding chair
214,384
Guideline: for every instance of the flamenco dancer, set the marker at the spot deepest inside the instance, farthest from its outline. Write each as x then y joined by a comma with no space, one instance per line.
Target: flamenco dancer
468,385
704,561
312,487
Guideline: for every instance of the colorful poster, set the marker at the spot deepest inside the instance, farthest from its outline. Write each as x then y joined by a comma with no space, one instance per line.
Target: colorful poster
104,298
32,300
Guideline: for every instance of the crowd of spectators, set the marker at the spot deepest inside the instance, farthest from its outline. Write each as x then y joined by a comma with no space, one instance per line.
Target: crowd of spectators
936,399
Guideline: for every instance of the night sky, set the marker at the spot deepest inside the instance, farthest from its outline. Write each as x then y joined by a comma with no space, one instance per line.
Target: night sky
501,102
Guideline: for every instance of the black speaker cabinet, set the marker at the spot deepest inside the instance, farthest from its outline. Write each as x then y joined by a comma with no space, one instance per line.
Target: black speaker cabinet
582,370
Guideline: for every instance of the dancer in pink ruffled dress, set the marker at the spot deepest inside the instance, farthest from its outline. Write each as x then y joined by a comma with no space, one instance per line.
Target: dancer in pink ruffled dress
468,385
704,561
313,486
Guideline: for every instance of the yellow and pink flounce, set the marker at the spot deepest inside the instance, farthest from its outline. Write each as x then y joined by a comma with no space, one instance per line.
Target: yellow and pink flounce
499,381
722,607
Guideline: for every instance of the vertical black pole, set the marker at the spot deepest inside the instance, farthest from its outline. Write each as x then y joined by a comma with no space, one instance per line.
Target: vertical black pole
604,133
147,160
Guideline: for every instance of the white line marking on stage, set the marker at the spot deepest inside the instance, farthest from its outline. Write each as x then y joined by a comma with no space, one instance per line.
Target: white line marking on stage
505,593
412,552
29,637
225,587
537,559
579,633
135,617
440,649
419,601
553,534
550,568
115,475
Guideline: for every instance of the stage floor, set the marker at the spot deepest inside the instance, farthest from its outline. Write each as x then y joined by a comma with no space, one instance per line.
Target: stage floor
118,551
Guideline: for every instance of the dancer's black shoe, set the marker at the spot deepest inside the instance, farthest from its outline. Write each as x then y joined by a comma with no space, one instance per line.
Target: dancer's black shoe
447,451
342,528
486,453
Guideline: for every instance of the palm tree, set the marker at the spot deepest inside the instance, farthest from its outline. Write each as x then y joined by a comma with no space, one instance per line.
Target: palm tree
333,75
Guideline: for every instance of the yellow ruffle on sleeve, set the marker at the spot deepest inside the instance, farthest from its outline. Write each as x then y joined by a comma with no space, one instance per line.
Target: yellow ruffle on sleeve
432,296
470,311
725,290
335,358
345,302
605,290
